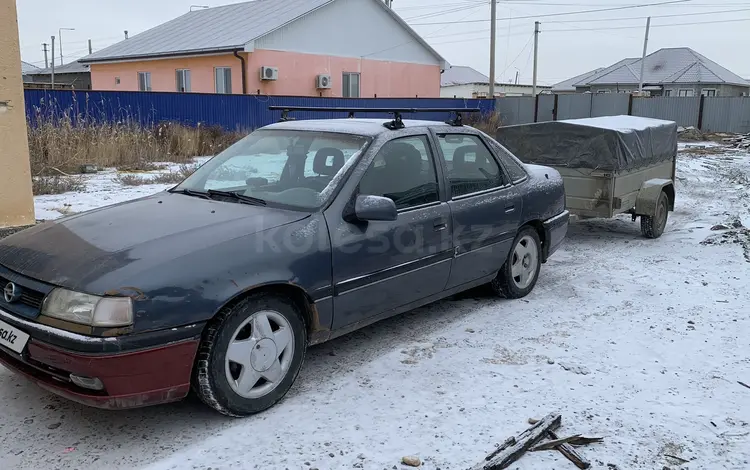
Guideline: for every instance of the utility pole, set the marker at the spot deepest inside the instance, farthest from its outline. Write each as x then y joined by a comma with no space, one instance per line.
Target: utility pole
44,48
52,81
90,47
59,36
516,77
493,38
536,54
643,57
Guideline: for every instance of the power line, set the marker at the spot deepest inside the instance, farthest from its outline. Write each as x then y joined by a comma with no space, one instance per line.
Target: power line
483,38
701,13
443,12
653,26
598,10
414,40
602,20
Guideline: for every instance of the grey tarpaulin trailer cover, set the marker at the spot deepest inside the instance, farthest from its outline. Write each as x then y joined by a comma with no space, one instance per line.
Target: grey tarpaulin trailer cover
611,143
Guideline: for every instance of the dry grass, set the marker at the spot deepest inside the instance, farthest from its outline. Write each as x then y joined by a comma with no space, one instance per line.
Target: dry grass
56,184
487,123
62,141
173,177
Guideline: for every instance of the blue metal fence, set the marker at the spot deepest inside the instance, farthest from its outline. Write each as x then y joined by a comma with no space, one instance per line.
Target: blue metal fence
232,112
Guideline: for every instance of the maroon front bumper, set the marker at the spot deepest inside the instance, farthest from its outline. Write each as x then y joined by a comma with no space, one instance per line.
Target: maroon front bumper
131,380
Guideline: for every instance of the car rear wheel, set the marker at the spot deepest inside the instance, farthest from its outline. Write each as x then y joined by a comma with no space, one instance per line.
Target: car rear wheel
653,227
518,275
250,355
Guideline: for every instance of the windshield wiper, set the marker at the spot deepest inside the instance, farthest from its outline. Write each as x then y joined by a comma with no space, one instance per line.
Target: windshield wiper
191,192
239,197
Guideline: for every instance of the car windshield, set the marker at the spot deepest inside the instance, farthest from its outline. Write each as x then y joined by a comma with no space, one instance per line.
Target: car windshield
296,169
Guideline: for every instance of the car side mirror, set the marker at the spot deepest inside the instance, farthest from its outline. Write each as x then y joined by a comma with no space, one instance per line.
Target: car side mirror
368,208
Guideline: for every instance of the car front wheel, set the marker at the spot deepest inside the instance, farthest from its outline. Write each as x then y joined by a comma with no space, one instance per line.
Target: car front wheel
518,275
250,355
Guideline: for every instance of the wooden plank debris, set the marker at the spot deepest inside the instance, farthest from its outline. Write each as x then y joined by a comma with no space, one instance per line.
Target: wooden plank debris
549,445
501,458
571,454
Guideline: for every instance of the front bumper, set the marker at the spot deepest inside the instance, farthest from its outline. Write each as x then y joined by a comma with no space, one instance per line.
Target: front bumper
132,377
555,229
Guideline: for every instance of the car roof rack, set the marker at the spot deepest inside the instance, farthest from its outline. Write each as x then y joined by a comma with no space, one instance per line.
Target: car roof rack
396,123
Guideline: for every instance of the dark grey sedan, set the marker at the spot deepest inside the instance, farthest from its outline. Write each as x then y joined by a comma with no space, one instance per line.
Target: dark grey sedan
300,232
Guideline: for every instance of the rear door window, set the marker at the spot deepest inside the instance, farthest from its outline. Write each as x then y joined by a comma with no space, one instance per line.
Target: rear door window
471,166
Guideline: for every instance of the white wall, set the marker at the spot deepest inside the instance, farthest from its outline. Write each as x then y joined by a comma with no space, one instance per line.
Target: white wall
468,90
349,28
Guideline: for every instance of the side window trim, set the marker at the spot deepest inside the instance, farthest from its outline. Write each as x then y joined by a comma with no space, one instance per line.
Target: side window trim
507,182
502,162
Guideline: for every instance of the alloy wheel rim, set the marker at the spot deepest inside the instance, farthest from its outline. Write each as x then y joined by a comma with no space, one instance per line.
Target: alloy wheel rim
259,354
524,262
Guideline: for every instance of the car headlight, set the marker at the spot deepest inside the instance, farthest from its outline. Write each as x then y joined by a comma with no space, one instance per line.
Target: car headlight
88,309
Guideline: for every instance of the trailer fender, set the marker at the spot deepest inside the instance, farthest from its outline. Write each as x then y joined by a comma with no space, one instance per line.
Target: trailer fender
649,194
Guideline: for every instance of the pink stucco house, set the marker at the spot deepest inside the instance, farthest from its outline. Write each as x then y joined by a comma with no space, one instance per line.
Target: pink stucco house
335,48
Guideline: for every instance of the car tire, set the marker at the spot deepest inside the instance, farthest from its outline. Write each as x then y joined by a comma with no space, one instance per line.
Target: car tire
240,347
520,271
653,227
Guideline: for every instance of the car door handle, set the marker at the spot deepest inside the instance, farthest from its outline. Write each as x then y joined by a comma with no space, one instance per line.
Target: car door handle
510,208
440,225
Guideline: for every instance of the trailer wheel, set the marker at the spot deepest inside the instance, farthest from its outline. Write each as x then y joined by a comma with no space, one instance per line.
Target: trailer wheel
653,226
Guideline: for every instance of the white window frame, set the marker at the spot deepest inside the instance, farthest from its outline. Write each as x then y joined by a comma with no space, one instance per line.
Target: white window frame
667,93
688,92
605,90
347,90
706,91
226,84
183,74
145,84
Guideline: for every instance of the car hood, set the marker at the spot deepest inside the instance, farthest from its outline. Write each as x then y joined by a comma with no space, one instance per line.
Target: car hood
81,251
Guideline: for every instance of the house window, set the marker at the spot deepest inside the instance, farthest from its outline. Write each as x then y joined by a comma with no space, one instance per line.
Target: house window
182,80
667,92
708,92
117,80
144,81
686,92
351,85
223,80
604,91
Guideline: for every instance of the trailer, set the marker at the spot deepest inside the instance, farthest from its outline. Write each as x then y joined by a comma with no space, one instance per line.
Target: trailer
610,165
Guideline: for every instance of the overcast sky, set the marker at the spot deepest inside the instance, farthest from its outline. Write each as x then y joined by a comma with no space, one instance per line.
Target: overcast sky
570,44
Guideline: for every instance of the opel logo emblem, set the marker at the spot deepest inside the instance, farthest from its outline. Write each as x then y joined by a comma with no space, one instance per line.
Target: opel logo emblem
11,293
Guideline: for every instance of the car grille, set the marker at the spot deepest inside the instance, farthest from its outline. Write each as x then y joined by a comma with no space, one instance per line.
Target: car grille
29,297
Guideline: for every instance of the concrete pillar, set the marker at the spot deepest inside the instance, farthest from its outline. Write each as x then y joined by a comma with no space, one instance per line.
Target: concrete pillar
16,200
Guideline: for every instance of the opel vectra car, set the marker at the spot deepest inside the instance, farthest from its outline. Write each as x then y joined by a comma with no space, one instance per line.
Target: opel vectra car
298,233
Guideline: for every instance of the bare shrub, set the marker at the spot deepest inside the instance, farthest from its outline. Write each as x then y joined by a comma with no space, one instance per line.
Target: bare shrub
133,180
56,184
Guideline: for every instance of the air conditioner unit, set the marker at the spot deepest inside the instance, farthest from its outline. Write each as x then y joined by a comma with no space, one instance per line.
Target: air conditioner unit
323,81
269,73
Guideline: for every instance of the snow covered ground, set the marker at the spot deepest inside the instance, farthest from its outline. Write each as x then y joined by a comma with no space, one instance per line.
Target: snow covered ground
102,189
639,341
